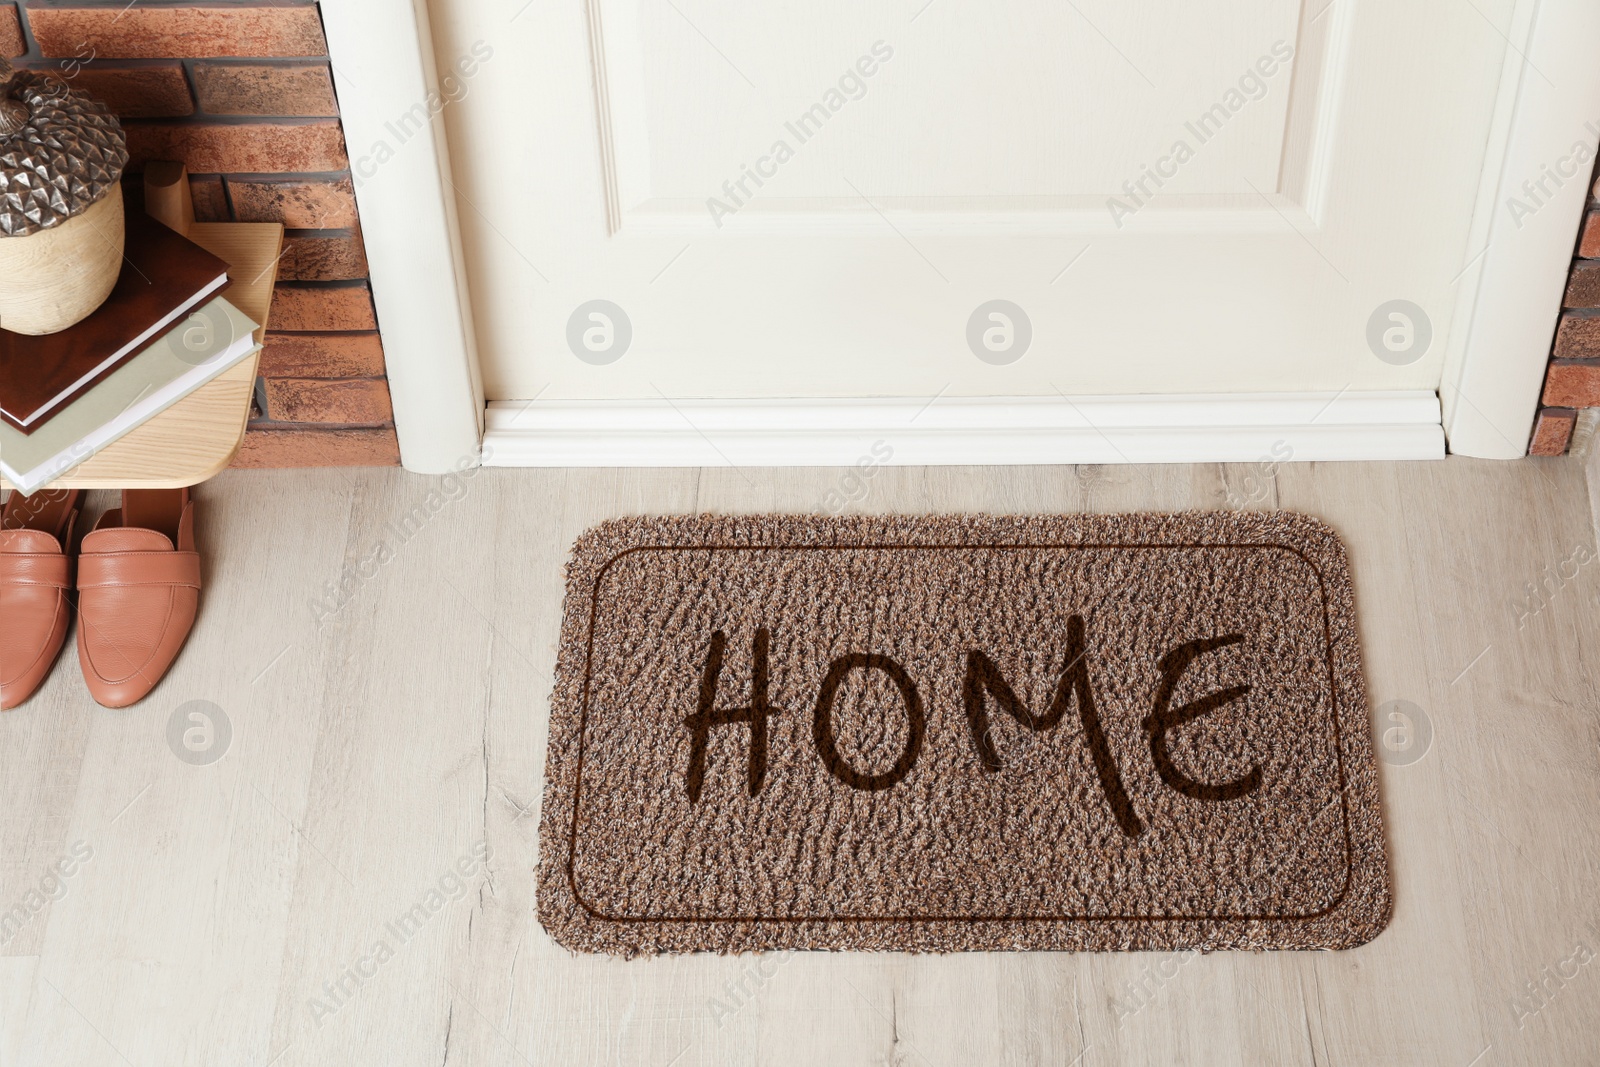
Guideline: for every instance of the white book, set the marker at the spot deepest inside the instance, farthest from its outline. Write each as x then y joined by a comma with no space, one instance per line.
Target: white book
212,339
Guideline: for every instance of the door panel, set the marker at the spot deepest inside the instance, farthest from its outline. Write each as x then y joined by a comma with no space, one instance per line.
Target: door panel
998,105
815,200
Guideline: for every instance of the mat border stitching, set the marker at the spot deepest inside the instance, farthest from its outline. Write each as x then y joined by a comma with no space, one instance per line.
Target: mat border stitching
583,723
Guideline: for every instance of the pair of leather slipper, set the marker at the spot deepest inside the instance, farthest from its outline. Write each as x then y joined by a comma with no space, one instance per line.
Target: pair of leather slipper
138,585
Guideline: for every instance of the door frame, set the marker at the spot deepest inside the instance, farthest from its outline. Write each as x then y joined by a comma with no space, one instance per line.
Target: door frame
381,52
1549,105
1549,102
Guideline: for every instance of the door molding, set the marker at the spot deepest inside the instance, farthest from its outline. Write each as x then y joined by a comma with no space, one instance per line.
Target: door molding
383,66
1221,428
1517,265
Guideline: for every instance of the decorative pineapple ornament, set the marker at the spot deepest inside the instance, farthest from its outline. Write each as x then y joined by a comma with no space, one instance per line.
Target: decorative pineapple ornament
61,160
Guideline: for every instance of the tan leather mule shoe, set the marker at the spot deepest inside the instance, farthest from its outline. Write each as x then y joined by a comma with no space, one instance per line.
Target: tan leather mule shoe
35,577
138,591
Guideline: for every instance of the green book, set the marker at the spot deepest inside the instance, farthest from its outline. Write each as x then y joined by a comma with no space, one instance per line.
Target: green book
211,339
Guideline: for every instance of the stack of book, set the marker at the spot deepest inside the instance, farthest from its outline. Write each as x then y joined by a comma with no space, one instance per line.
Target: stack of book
161,334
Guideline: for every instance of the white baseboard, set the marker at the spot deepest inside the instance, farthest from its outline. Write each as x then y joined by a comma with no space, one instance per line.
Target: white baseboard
1231,428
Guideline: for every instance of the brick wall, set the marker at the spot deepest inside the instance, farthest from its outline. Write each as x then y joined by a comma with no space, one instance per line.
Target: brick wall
1572,381
240,91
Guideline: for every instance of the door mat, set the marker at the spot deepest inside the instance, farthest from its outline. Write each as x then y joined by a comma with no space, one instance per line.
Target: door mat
960,733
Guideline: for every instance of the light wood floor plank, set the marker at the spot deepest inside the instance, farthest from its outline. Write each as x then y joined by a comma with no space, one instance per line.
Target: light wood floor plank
381,737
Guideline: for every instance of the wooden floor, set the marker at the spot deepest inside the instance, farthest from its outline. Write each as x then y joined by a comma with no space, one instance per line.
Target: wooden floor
386,735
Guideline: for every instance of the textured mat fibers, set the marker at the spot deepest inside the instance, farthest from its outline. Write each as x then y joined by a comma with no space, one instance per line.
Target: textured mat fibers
936,734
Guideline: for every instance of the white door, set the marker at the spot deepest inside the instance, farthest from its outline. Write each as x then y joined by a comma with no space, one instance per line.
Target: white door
706,199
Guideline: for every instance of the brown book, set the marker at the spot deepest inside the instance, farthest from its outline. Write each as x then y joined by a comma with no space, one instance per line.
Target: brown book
163,276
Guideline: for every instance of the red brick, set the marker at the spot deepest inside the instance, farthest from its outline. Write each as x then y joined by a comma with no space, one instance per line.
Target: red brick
1583,286
1552,430
1578,337
11,42
318,258
272,446
266,147
340,401
1589,243
322,355
262,89
1572,385
311,205
157,92
313,309
210,204
146,32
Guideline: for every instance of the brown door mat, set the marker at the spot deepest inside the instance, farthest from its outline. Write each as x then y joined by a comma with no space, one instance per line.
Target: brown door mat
960,733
